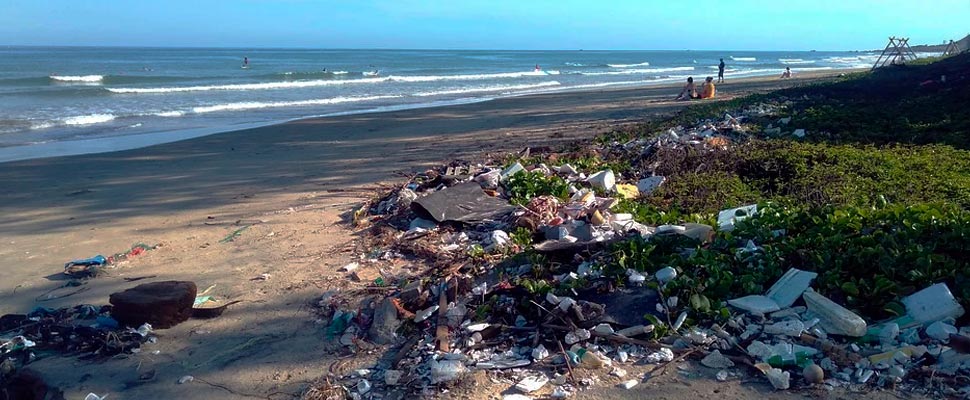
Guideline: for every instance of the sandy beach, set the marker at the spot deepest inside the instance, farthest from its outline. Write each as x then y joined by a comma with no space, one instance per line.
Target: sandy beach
292,185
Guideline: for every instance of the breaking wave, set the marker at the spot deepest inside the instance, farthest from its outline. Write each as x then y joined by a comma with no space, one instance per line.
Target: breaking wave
77,78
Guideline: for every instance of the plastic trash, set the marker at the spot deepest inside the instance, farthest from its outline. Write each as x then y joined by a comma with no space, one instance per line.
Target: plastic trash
648,185
630,384
603,329
780,380
392,377
727,218
790,287
834,318
755,304
792,327
662,355
464,202
717,360
940,331
568,170
363,386
931,304
445,370
635,330
540,353
512,170
882,333
92,396
577,336
186,379
532,383
603,180
665,274
498,240
627,191
425,314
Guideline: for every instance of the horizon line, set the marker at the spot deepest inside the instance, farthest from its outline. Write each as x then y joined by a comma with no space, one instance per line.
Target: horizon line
403,48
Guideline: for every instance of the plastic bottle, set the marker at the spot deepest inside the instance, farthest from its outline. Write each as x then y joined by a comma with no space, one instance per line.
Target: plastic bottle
800,359
835,319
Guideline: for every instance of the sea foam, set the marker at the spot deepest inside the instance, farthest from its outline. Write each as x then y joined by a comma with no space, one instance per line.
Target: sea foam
77,78
247,86
498,88
640,71
88,119
643,64
793,61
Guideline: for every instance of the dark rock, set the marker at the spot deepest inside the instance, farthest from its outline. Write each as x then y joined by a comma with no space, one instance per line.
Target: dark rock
161,304
386,322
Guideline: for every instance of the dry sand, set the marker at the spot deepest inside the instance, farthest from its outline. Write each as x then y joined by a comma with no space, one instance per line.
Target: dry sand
293,183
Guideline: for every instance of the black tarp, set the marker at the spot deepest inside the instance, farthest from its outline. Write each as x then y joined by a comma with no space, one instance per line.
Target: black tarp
466,202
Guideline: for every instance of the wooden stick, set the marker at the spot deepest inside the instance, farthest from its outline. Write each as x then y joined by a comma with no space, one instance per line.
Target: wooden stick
403,351
566,357
441,332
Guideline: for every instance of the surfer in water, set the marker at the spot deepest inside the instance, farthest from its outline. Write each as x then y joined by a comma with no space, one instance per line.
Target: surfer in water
245,62
538,68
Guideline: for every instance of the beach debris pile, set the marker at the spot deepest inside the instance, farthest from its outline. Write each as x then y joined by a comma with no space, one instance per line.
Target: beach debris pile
524,284
93,332
86,331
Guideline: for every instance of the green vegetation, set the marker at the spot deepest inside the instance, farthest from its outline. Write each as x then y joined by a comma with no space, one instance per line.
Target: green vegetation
866,257
815,174
525,185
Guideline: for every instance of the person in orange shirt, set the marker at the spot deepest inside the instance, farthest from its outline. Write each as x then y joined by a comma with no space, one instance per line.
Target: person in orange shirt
708,90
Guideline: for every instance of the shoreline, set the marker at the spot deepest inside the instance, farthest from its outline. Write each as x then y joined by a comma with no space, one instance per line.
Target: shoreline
110,144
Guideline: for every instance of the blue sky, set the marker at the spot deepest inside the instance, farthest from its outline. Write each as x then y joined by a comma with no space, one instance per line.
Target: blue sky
484,24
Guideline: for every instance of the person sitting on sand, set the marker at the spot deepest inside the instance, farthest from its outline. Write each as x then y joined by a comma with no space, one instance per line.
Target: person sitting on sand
708,91
689,91
787,73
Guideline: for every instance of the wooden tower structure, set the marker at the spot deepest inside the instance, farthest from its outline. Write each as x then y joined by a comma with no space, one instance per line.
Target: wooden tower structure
897,52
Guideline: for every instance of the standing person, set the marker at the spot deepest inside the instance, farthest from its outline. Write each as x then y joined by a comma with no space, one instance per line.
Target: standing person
708,91
720,71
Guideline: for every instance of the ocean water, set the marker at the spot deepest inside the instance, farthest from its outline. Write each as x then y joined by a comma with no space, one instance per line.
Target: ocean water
66,94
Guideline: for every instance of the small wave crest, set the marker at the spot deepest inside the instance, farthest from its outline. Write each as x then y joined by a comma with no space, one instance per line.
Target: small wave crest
77,78
245,86
88,119
169,114
640,71
499,88
643,64
794,61
254,105
744,59
469,77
